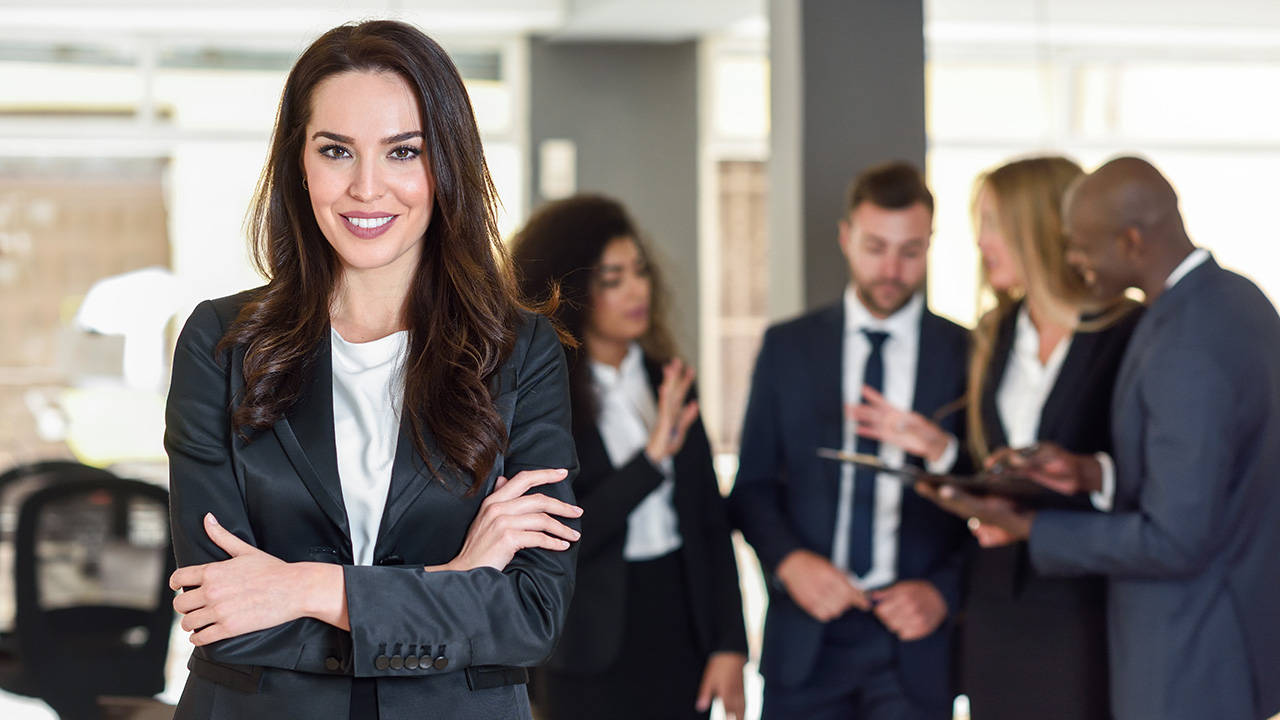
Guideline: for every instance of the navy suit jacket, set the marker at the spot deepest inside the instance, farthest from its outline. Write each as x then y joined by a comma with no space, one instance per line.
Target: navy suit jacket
281,493
785,496
1191,548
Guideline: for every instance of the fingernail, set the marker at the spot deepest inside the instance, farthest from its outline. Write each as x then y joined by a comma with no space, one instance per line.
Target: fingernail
564,544
562,472
212,520
575,507
576,534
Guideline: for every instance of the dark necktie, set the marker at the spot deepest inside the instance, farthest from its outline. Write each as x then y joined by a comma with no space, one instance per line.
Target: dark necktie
864,479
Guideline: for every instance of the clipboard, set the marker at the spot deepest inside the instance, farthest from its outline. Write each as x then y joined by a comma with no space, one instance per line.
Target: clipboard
995,481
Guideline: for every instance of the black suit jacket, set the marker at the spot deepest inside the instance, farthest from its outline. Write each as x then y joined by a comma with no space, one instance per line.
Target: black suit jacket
785,496
1035,645
594,628
281,493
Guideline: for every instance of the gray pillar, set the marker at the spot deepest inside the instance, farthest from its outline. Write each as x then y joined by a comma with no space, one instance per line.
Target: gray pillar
631,111
848,91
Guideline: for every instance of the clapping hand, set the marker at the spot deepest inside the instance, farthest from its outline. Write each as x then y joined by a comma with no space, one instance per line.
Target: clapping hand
675,415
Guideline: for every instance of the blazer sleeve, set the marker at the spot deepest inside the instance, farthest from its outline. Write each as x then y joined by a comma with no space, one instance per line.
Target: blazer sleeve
483,616
607,502
757,501
1188,458
198,439
713,520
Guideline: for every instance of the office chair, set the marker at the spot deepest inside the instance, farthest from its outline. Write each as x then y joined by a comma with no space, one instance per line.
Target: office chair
94,608
16,484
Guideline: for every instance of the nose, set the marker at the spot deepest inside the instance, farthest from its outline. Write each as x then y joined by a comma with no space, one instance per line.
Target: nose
891,267
637,285
367,183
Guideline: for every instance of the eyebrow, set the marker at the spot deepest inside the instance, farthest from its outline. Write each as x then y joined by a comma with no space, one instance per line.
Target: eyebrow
385,141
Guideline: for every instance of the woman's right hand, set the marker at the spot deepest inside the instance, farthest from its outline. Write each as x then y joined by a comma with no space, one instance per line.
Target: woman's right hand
511,520
674,414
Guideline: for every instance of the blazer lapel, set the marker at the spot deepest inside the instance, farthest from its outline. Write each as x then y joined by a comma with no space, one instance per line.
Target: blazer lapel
410,476
932,368
1139,344
827,381
307,435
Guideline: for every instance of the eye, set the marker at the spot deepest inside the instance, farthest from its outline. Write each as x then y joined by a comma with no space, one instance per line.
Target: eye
605,281
405,152
335,152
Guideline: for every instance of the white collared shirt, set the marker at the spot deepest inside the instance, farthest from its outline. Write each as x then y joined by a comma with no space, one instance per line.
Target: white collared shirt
1193,260
627,412
1026,383
900,353
368,393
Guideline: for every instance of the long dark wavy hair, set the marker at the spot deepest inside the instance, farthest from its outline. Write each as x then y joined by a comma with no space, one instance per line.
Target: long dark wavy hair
462,309
557,254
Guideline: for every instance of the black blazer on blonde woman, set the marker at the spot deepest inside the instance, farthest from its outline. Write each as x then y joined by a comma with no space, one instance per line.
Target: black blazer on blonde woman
441,644
593,631
1031,645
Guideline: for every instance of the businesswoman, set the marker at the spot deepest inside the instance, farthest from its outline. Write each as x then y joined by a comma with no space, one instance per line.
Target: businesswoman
1043,369
655,628
350,444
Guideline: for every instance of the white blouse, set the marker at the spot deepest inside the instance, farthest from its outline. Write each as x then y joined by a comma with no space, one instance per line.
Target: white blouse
627,412
368,394
1026,384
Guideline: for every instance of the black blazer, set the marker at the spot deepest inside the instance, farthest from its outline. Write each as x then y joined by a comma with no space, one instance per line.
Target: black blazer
438,642
785,496
1036,645
594,628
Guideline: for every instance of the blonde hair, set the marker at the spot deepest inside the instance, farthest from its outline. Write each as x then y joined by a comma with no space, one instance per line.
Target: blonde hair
1028,196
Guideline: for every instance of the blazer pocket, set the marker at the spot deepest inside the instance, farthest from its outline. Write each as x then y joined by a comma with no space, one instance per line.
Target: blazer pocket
245,678
487,677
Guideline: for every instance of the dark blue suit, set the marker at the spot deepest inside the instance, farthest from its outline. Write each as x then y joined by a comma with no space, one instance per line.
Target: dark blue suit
785,496
1192,548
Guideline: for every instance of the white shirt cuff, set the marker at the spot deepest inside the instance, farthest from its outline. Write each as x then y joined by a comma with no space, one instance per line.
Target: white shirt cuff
1105,498
948,458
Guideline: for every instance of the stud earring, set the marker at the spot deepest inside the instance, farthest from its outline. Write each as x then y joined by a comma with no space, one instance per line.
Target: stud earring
304,184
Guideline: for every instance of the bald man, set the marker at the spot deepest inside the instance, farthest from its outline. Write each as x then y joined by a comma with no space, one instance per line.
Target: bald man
1191,546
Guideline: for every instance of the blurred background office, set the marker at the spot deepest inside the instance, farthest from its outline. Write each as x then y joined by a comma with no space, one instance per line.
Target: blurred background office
132,132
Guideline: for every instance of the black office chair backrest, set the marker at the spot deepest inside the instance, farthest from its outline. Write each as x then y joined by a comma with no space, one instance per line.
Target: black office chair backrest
94,608
16,484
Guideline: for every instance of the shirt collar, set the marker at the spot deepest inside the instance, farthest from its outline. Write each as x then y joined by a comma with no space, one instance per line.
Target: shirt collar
1189,263
902,324
631,367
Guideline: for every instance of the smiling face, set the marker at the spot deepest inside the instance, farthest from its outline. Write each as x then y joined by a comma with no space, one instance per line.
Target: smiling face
1004,273
370,186
888,254
620,295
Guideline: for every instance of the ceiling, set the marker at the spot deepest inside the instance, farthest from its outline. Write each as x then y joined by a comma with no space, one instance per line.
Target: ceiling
293,22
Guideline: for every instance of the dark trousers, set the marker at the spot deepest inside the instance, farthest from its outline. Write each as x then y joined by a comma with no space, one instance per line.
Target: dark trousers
856,677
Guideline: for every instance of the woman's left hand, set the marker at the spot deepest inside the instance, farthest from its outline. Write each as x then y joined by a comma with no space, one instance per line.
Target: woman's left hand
879,420
253,591
723,679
